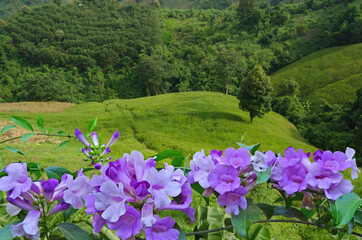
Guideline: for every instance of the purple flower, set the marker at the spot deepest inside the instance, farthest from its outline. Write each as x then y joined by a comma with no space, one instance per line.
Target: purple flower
233,200
12,210
350,153
129,224
106,152
113,139
201,166
17,180
293,158
317,155
21,203
95,139
147,217
321,177
49,188
79,135
237,158
138,167
29,227
162,230
162,187
216,156
259,161
117,172
335,162
98,223
338,189
61,207
77,191
224,179
293,179
140,189
98,166
111,199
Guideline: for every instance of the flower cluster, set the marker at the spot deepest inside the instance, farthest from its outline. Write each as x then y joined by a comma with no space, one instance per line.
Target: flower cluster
40,199
296,173
228,175
232,174
130,191
96,152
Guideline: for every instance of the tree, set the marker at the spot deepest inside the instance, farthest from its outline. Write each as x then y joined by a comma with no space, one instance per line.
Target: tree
246,8
156,3
58,2
229,65
255,93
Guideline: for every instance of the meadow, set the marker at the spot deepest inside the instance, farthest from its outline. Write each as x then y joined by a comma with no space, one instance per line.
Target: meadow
187,122
333,74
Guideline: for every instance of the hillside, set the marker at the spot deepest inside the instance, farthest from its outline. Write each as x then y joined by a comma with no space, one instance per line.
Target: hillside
187,122
183,4
333,74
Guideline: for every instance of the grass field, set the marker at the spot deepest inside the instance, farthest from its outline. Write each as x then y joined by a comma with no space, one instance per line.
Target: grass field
333,74
187,122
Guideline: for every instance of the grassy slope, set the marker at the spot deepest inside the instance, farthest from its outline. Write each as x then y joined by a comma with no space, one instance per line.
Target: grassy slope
184,121
333,74
187,122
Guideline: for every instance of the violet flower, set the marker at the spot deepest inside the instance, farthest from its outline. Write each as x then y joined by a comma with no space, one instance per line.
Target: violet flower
113,139
111,199
17,180
77,191
338,189
79,135
29,227
162,230
350,153
233,200
259,162
95,139
335,162
128,225
201,166
224,179
321,177
293,179
49,188
237,158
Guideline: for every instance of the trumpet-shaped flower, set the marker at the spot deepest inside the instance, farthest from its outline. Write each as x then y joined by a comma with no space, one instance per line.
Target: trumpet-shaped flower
17,180
111,200
201,166
128,225
335,162
77,191
237,158
162,230
338,189
224,179
29,227
233,200
321,177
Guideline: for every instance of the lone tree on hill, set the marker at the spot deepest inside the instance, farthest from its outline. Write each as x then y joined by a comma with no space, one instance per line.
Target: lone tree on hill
255,93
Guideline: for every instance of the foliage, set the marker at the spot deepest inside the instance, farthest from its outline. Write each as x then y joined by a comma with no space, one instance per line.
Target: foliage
255,93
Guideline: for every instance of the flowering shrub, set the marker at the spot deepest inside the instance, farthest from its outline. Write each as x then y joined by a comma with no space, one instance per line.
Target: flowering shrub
127,194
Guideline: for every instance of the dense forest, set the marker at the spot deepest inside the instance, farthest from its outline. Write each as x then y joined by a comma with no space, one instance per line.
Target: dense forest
97,50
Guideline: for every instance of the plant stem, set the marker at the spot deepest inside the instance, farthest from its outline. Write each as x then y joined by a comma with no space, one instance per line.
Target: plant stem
269,221
38,134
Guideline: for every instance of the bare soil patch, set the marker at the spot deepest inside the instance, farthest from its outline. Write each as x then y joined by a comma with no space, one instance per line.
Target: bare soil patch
35,107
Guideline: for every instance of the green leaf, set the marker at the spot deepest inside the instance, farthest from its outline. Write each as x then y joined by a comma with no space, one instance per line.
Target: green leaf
252,149
73,232
7,128
289,212
308,213
61,132
350,225
178,157
34,168
5,232
92,125
182,233
196,186
50,130
56,172
358,217
345,207
14,150
262,177
63,144
260,233
69,212
2,173
244,219
22,122
26,137
267,209
39,122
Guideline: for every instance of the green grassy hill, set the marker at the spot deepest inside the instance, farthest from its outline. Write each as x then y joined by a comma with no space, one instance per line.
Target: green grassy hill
333,74
184,4
187,122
